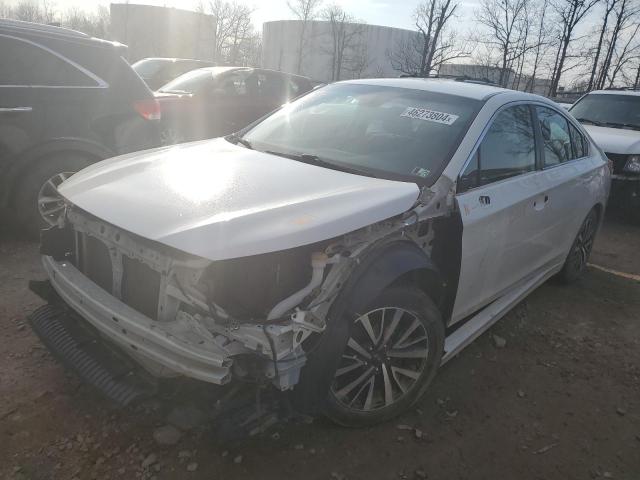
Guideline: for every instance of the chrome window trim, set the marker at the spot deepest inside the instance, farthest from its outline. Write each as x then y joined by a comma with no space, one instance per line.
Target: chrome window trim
100,82
498,182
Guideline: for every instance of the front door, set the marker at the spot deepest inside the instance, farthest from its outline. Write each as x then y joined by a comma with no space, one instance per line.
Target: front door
502,202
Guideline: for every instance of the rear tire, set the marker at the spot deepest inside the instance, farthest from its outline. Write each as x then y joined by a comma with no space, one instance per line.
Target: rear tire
392,355
37,195
576,262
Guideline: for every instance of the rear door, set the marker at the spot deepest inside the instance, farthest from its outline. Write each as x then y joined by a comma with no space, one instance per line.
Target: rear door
501,196
569,171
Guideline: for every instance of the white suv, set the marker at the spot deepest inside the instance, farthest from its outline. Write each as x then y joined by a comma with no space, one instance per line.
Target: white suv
343,248
612,118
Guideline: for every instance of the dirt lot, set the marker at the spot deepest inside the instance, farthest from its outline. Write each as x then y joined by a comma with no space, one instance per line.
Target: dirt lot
560,401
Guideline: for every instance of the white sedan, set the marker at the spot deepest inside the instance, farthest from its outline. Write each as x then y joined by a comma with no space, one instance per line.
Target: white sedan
342,248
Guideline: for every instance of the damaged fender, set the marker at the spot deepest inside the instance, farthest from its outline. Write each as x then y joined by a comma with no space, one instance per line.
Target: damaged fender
380,268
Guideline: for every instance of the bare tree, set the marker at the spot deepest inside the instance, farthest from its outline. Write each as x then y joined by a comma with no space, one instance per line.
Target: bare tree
305,11
346,37
233,28
629,53
95,24
542,42
570,14
625,17
507,25
434,45
609,6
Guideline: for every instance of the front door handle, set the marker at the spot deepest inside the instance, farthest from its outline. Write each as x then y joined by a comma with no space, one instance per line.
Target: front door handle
541,202
15,109
484,200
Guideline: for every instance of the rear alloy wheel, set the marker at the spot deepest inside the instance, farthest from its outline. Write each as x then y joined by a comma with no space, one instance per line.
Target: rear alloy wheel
391,356
576,262
50,203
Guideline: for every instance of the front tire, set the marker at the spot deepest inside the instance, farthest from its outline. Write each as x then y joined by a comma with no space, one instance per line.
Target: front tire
391,357
576,262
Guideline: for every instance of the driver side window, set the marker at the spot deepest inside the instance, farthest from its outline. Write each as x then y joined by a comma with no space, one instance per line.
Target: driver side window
508,149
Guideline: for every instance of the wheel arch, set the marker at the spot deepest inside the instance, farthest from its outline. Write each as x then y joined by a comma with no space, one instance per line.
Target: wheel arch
23,162
398,263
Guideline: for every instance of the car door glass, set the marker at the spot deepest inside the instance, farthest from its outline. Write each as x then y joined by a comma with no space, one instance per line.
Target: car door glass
555,136
270,88
507,150
578,143
35,66
235,84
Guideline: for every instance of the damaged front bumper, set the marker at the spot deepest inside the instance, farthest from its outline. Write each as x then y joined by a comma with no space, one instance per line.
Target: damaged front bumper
150,303
154,344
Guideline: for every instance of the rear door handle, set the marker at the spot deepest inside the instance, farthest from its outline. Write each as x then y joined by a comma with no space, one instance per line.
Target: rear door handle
15,109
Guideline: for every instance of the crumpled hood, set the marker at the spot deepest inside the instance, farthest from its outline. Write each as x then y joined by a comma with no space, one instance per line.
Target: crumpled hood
218,200
615,140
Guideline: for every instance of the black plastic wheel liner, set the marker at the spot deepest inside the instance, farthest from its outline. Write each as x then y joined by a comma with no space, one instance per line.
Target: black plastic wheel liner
96,363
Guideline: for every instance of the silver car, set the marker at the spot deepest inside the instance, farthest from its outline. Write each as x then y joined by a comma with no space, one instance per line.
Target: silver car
341,249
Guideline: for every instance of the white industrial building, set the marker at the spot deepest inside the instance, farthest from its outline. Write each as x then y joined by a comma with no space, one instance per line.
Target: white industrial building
366,52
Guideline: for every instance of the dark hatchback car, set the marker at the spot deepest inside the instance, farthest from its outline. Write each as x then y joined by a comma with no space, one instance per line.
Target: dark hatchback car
217,101
158,71
66,100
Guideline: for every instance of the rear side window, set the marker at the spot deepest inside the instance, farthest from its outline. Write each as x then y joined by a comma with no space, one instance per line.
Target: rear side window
508,149
579,143
297,86
271,87
236,84
555,136
31,65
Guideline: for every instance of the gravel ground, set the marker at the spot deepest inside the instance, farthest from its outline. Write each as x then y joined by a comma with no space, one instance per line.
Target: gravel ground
560,400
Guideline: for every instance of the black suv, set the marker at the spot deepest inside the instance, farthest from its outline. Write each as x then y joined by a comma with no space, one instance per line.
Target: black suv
66,100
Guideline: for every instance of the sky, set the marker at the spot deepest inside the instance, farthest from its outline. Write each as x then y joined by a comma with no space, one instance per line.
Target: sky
392,13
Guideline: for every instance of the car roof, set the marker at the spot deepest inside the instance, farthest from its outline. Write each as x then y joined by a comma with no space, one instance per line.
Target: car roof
476,91
52,31
175,59
219,70
632,93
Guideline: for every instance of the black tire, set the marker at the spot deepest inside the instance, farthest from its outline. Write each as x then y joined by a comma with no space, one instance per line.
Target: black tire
27,211
576,262
405,390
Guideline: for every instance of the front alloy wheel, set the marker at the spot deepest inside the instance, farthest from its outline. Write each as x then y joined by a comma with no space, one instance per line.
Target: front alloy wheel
50,203
392,353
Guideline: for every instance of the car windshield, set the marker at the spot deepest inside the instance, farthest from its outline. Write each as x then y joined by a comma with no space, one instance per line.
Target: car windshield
399,132
622,111
148,67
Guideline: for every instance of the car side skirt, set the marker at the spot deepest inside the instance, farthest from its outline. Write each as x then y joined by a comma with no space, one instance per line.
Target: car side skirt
485,318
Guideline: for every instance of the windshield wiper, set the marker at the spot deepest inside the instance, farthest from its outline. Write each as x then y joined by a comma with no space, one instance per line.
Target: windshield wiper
588,120
235,139
319,162
622,125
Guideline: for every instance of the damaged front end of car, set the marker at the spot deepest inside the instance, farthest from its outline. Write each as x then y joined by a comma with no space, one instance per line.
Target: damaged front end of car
252,319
